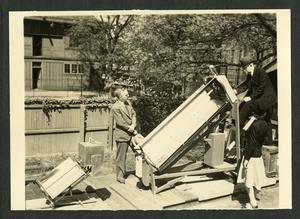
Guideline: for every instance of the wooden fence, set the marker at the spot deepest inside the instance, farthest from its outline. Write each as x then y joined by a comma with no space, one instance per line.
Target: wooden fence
65,129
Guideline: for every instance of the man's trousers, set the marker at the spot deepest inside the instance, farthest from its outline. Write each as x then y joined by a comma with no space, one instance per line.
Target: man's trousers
122,148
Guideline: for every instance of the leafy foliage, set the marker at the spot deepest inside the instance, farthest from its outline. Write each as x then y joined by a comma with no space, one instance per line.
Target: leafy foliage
169,47
50,105
154,107
99,41
101,102
173,46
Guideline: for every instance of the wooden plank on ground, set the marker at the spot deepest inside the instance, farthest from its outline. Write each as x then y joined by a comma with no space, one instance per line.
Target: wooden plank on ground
163,199
186,196
147,193
110,197
76,202
211,189
169,198
134,196
216,188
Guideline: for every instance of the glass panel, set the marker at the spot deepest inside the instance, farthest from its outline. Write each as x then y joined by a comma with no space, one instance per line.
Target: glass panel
67,68
74,68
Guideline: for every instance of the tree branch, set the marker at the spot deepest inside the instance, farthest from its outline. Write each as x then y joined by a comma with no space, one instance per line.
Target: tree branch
223,36
117,33
266,25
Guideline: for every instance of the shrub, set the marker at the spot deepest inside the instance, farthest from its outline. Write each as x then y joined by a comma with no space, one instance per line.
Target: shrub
155,106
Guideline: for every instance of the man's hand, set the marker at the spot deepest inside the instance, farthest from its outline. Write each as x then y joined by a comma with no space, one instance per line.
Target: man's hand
131,128
246,99
245,164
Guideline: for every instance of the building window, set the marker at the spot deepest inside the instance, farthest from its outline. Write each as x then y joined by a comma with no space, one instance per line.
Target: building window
36,74
80,68
67,68
36,46
74,68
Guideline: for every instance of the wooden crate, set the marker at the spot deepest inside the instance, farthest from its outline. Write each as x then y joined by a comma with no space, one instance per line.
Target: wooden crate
87,149
270,156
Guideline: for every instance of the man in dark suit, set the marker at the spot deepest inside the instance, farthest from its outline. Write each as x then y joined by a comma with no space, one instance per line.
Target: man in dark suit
125,118
260,96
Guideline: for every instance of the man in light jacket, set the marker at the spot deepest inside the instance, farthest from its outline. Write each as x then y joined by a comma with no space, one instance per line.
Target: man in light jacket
125,118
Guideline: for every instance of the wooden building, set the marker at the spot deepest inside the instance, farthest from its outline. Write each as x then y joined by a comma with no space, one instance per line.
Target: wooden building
51,60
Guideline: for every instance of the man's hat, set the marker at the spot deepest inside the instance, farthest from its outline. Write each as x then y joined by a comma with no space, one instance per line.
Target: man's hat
248,59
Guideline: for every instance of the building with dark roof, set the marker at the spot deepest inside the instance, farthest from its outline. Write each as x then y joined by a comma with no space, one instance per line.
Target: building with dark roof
51,59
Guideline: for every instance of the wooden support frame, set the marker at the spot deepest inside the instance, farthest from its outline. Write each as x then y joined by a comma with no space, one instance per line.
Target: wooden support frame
178,176
53,201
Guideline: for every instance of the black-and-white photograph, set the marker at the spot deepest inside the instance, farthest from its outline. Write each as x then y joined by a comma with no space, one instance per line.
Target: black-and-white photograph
147,110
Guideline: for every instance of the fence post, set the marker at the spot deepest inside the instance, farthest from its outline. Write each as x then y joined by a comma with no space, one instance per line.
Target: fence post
80,85
110,138
82,124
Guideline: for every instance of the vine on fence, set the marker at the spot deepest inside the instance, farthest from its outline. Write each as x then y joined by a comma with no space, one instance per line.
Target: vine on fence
50,105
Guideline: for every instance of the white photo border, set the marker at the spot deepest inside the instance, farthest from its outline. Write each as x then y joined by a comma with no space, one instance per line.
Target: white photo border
17,93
